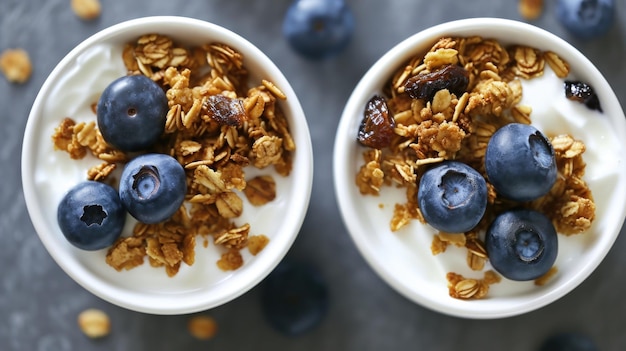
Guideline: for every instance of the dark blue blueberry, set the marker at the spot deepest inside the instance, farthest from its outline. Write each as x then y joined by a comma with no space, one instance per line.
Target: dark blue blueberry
520,162
91,216
568,341
153,187
586,19
522,244
294,297
318,29
452,197
131,113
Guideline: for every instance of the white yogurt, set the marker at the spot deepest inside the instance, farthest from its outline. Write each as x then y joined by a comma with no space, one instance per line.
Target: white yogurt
553,114
404,259
56,173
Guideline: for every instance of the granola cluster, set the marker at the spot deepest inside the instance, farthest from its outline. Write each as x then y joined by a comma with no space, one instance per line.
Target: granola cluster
216,127
458,126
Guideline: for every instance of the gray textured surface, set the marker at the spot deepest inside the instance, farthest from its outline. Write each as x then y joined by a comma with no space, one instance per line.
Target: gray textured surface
39,303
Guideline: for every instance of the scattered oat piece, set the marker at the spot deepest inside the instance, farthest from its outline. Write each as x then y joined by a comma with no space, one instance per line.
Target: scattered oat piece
460,287
438,246
230,261
94,323
15,65
260,190
256,243
530,9
202,327
546,277
86,9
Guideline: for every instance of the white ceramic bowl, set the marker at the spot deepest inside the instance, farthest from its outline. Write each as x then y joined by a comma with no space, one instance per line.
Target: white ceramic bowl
48,174
404,259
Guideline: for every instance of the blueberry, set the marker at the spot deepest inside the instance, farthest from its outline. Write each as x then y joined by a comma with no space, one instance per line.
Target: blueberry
520,162
452,197
131,113
586,19
294,297
91,216
522,244
318,29
153,187
568,341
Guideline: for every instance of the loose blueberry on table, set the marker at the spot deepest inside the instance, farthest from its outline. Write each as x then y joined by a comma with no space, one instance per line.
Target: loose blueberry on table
91,215
294,297
522,244
586,19
318,29
568,341
520,162
153,187
452,197
131,113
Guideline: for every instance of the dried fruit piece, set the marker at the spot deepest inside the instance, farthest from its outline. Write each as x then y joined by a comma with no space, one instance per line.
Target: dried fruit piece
583,93
15,65
377,126
424,86
225,110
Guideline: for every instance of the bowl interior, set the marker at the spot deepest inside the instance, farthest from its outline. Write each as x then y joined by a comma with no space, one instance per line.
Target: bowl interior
404,259
47,174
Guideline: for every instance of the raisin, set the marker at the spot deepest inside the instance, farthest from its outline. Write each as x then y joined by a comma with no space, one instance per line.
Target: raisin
583,93
224,110
424,86
376,130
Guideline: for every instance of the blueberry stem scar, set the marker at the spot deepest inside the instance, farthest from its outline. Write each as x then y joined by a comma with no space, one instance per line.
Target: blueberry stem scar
93,214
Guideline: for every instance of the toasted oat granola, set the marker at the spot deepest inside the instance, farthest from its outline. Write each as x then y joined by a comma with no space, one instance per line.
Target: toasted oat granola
459,127
216,126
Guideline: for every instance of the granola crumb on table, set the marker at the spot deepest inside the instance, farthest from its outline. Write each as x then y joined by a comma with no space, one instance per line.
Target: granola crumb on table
202,327
16,66
216,126
94,323
86,9
459,127
530,9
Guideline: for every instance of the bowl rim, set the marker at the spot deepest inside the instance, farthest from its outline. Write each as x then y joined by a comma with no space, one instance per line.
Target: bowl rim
384,67
242,281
